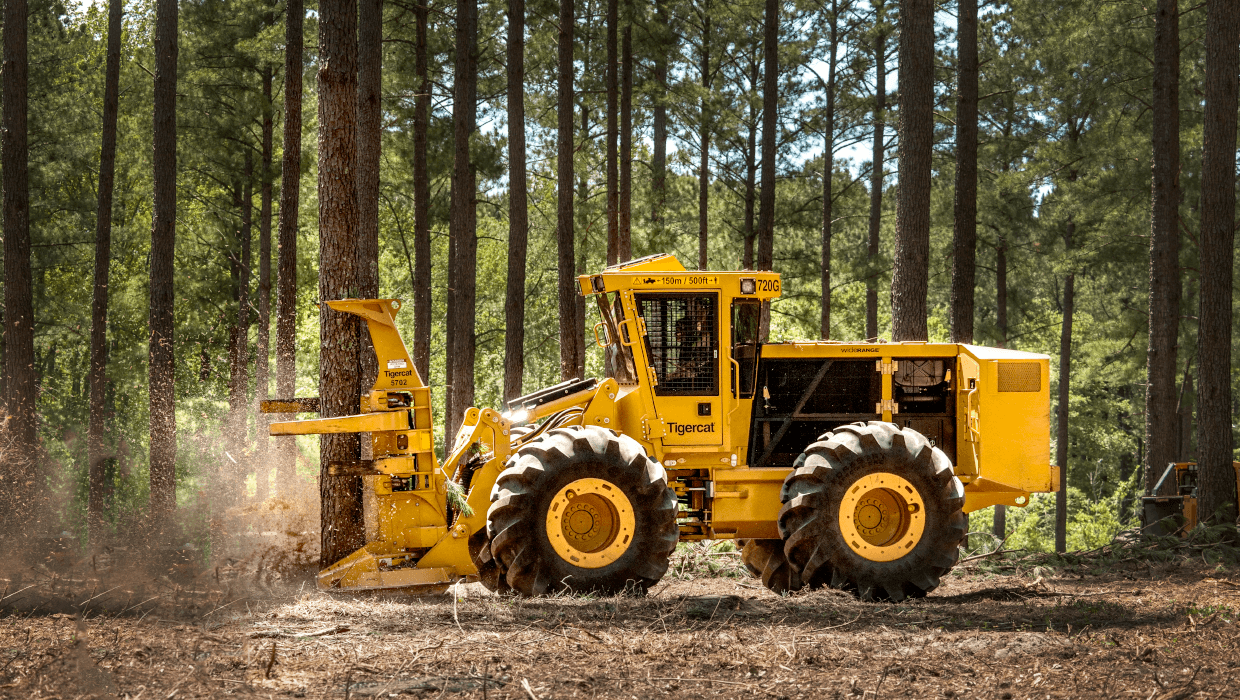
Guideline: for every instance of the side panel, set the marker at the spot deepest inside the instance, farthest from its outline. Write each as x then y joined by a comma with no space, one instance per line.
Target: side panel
1014,420
746,502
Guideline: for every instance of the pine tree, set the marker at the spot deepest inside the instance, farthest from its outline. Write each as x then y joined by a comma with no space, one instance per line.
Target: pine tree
340,496
290,184
97,437
163,426
518,215
910,271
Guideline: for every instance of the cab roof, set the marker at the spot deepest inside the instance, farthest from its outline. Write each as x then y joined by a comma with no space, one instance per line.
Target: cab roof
664,273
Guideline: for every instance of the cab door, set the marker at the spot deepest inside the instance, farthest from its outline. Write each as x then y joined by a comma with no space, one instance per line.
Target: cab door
682,345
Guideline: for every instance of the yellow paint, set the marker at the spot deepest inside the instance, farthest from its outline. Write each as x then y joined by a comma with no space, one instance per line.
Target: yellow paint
882,517
590,523
414,540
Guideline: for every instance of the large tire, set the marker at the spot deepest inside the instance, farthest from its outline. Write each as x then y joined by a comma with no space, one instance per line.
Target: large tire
765,560
902,520
490,574
612,515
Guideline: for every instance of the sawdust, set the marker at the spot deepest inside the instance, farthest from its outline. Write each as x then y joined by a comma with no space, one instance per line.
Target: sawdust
1163,633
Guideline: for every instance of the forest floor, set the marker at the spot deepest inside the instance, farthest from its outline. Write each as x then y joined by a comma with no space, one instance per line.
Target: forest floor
1150,630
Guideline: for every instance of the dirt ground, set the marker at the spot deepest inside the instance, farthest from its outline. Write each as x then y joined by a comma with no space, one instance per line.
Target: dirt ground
1140,630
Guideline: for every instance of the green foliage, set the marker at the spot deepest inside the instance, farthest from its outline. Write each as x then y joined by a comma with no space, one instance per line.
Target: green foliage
1064,145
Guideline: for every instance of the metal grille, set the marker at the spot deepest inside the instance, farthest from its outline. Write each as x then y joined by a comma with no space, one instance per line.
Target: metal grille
1020,376
682,341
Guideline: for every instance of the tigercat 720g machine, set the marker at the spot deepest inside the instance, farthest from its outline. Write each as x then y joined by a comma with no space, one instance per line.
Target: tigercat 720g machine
832,464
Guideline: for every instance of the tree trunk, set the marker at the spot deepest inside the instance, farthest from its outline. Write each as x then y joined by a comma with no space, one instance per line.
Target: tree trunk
163,422
876,171
262,344
1184,415
704,142
564,207
770,122
464,215
964,261
239,355
613,109
828,170
1001,315
1217,485
658,162
369,150
290,195
910,274
340,496
422,201
751,168
1061,408
624,235
1161,436
97,440
518,212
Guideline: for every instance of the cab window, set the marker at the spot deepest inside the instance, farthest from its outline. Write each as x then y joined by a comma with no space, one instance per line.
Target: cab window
745,321
682,342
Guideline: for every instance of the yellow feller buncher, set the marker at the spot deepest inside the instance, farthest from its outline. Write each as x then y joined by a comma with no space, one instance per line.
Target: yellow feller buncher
832,464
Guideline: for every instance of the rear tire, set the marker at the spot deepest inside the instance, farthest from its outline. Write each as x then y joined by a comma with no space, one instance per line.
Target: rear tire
582,509
765,560
873,509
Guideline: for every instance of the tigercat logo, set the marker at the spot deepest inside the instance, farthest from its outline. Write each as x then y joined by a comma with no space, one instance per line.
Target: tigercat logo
685,429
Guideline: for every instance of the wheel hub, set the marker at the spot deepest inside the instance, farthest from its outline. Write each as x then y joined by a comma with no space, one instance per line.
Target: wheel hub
590,523
882,516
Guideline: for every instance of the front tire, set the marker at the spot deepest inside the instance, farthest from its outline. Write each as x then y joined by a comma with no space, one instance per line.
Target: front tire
873,509
582,509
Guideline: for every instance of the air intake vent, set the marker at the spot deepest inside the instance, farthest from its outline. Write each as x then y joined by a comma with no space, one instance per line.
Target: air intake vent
1020,376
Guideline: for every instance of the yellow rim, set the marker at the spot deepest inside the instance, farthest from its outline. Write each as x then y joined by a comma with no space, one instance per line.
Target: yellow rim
590,523
882,517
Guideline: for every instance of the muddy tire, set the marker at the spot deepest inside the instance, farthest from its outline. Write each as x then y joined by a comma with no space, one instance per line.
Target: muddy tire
765,560
490,574
873,509
582,509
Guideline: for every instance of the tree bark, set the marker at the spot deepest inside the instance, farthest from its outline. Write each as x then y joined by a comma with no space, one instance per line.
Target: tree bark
239,355
770,123
464,216
564,207
910,274
1061,408
518,211
751,168
876,171
290,196
1001,310
613,115
828,170
704,141
97,435
162,387
658,161
421,200
1217,485
1161,436
369,151
624,234
964,261
262,344
1061,431
340,496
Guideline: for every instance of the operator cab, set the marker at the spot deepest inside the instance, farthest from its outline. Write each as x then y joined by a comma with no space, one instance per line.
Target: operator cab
691,338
